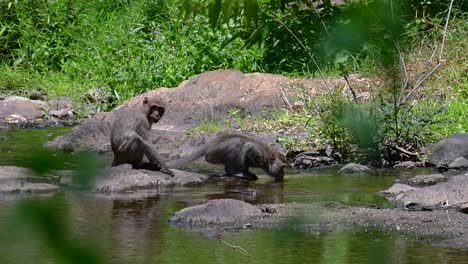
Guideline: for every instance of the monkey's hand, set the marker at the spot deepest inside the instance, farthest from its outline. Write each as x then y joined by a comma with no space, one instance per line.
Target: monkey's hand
167,171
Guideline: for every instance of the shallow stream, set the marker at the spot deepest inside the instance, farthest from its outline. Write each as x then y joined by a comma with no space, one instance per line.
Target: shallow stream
133,228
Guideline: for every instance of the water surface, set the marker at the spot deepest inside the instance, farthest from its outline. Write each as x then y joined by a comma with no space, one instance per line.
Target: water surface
124,229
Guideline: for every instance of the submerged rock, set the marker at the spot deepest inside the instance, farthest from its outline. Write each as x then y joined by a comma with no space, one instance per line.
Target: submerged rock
17,180
220,212
354,169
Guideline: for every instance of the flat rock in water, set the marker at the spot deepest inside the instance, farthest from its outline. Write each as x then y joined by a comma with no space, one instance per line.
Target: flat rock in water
17,180
450,194
125,179
219,212
20,187
354,169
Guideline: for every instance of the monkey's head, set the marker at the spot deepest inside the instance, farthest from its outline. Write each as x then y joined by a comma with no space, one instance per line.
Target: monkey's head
153,108
276,165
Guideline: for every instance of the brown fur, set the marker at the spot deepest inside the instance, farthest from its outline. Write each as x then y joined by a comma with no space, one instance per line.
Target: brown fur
130,134
237,153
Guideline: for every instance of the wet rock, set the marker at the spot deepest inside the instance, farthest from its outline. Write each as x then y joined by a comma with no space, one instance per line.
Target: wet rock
354,169
309,159
125,179
396,189
61,113
218,212
450,194
409,164
61,107
459,163
20,187
20,106
446,151
17,180
426,180
14,119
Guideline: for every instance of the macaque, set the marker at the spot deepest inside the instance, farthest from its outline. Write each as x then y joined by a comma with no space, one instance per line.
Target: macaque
130,134
237,153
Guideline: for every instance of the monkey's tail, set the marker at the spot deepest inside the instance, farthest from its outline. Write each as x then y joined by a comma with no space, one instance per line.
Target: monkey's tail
195,155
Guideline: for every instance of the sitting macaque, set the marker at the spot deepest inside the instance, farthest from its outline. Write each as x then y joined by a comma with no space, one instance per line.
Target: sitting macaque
130,133
238,153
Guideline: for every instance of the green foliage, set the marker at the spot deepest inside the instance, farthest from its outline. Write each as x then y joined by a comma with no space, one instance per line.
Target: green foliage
123,47
207,125
330,110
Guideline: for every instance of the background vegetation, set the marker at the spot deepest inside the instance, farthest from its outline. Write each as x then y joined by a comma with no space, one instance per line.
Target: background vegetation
123,48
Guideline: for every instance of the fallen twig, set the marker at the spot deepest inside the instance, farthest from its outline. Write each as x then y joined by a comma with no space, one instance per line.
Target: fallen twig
238,248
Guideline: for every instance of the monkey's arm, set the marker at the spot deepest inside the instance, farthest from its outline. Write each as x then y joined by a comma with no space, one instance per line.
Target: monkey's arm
154,157
149,151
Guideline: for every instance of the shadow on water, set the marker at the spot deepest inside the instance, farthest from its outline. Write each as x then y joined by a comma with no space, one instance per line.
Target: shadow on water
134,229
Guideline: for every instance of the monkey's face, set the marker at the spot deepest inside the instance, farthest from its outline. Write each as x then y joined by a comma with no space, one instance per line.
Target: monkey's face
154,109
276,166
155,114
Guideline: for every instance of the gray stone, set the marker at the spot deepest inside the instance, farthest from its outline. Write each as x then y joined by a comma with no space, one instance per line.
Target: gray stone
459,163
218,211
426,180
354,169
446,151
450,194
25,108
17,180
20,187
125,179
396,189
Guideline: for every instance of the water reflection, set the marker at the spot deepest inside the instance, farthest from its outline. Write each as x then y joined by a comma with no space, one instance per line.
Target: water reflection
133,228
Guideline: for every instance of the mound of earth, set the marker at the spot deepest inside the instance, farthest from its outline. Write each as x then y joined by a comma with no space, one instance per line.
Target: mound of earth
210,94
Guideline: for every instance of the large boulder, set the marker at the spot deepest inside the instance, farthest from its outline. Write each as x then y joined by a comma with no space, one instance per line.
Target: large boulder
20,106
448,150
208,94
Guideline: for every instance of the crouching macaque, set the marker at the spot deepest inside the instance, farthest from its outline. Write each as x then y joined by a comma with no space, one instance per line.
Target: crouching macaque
130,133
238,153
